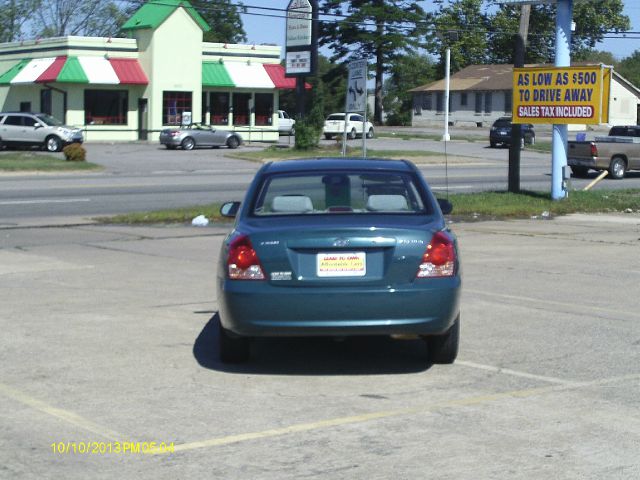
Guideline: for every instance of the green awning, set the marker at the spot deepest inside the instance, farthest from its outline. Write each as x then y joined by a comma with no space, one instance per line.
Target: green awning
214,74
6,77
72,72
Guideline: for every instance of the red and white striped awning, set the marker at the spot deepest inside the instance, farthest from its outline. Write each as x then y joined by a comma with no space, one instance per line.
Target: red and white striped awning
71,69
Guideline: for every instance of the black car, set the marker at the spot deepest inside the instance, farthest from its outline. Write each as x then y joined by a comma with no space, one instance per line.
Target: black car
500,133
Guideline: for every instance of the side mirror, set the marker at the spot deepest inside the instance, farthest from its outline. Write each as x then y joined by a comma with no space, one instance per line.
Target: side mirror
230,209
37,126
445,206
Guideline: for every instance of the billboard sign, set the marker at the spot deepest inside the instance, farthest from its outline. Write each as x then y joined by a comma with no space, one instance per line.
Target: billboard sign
561,95
299,22
301,45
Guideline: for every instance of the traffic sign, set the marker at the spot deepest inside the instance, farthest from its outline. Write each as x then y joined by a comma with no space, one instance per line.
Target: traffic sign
357,86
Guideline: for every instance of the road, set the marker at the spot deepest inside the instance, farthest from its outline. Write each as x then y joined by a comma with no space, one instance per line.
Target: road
140,177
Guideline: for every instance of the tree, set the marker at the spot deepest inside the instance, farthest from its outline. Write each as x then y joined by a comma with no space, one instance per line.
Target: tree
15,14
408,72
593,20
462,27
58,18
380,30
629,68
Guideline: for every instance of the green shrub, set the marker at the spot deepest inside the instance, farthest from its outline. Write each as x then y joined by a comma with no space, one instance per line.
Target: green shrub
75,153
307,135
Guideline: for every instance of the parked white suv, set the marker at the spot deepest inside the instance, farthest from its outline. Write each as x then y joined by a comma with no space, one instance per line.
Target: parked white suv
30,129
334,125
286,124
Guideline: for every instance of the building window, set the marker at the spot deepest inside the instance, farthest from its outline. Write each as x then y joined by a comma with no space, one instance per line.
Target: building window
478,106
427,102
439,102
241,112
488,102
463,99
219,104
417,103
507,101
105,107
174,104
264,108
45,101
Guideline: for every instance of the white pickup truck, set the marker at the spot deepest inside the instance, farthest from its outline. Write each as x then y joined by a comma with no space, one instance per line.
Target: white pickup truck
618,152
286,124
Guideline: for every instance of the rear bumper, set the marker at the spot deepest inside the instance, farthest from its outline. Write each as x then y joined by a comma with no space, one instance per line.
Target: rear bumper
257,309
582,162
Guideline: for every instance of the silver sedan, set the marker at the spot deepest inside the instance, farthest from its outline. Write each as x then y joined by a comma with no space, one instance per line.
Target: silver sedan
198,135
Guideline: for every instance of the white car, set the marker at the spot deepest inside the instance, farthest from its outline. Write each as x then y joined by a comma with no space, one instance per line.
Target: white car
286,124
334,125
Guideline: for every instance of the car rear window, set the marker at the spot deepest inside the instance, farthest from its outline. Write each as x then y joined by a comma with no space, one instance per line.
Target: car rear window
335,117
337,193
502,123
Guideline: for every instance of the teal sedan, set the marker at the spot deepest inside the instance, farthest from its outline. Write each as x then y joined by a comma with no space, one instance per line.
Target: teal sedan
338,247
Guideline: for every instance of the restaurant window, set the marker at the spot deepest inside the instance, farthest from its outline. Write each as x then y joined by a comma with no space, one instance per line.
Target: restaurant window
174,104
105,107
45,101
241,113
219,105
264,108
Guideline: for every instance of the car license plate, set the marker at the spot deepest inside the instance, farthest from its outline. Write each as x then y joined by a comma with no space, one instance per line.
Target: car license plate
342,264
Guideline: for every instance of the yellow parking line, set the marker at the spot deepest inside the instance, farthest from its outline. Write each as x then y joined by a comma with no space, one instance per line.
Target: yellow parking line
64,415
350,420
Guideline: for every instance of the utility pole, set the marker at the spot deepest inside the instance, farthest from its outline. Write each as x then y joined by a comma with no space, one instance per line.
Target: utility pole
520,44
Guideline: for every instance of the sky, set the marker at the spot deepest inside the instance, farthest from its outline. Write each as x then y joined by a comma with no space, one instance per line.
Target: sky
265,29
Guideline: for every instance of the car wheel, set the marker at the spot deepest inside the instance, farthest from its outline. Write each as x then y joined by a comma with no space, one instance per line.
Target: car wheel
327,136
617,168
370,133
293,131
580,172
233,142
443,349
232,349
531,140
352,134
188,144
53,144
493,144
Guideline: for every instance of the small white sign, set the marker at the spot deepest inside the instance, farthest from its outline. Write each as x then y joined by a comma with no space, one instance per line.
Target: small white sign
357,86
342,264
298,62
299,23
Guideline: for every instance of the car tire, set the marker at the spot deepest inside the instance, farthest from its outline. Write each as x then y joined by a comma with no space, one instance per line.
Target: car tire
580,172
443,349
188,144
292,132
232,349
52,144
352,134
232,142
617,168
370,133
328,136
532,139
493,144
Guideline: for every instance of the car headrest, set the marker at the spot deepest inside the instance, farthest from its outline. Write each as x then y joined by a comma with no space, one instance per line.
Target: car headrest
291,204
392,203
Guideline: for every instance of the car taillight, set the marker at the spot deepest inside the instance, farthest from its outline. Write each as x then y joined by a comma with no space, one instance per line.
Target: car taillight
439,259
594,150
243,263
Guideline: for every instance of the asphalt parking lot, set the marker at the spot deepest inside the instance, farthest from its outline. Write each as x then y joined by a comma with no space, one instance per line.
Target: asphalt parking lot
109,344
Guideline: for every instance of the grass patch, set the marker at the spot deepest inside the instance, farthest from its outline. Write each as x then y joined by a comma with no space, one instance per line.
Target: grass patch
541,147
527,204
37,162
484,205
426,136
176,215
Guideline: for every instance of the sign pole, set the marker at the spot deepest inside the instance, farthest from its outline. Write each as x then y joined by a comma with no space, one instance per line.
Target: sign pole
561,132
